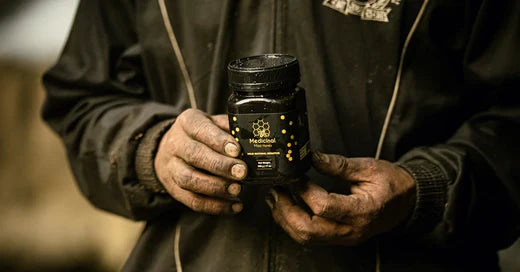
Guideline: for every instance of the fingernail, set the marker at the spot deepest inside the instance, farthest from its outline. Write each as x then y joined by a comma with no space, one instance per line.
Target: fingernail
231,149
274,194
234,189
237,207
320,157
238,171
269,203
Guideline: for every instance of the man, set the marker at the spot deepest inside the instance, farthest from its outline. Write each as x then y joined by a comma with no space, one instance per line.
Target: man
427,88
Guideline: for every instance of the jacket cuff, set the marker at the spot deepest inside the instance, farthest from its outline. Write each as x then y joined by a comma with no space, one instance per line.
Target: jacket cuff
145,155
431,186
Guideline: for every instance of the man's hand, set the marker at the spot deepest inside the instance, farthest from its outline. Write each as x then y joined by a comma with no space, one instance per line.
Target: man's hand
196,162
383,196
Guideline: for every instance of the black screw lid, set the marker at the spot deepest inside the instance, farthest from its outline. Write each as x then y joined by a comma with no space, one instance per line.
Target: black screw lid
263,73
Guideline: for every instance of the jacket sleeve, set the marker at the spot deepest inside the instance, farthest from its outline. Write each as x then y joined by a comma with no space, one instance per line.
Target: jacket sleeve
96,100
468,189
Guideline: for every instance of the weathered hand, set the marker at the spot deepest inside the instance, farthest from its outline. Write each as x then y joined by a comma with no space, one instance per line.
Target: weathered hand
383,196
196,162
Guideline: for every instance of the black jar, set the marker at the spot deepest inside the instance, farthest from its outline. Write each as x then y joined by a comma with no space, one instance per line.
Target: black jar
268,118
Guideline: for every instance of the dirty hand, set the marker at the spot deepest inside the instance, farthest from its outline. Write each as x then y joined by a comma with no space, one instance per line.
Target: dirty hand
196,162
382,196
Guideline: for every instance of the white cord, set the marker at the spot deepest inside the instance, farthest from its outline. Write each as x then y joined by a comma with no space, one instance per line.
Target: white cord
398,80
193,102
176,251
178,53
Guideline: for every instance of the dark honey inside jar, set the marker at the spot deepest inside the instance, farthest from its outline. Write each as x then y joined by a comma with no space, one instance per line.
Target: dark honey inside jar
268,117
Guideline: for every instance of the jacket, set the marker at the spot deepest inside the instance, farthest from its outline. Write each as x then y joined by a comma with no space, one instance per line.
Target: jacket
444,75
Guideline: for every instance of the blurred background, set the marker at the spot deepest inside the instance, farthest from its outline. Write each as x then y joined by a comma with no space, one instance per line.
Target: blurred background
45,224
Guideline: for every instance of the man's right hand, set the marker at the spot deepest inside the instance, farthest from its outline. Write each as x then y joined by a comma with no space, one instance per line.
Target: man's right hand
196,162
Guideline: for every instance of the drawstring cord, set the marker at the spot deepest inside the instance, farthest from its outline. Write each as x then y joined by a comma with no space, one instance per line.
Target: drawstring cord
217,63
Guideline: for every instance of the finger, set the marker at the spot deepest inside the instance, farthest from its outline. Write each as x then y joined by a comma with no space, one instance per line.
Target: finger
221,120
201,128
189,178
301,226
353,169
204,204
203,157
331,205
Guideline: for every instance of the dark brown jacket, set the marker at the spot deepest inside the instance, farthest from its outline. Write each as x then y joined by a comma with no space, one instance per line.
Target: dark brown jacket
455,125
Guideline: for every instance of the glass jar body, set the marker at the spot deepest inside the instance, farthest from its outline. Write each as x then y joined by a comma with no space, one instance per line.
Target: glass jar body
272,130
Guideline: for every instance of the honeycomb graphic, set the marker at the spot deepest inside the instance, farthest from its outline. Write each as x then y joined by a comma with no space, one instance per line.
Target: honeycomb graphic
261,129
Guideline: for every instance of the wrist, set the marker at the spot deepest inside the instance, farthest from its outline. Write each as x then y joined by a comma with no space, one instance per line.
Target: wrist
431,194
409,189
145,156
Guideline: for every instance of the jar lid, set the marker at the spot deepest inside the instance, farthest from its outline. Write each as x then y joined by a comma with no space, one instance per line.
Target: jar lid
263,72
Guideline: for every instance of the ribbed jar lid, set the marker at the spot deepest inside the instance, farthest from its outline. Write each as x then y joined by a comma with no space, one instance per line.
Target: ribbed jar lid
263,72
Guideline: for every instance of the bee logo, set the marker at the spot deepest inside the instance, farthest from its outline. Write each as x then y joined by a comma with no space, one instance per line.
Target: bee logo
261,129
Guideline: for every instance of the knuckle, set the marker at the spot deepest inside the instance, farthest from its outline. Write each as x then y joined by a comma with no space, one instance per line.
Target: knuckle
196,205
342,162
212,190
211,186
371,164
216,165
168,175
189,117
173,146
374,208
201,131
186,178
215,208
303,234
303,238
192,151
362,221
183,116
215,189
321,207
190,112
168,182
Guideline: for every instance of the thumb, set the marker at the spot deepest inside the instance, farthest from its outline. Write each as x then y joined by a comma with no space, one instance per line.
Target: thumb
353,169
329,164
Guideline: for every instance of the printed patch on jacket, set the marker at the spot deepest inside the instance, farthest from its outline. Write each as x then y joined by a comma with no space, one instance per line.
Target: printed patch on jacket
370,10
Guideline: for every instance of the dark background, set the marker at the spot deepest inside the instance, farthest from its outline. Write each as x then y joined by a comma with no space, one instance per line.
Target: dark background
45,224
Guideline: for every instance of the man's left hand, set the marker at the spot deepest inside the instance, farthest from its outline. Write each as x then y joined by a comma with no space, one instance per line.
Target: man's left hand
382,197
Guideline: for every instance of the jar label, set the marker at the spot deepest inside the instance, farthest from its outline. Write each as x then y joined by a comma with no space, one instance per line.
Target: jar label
274,145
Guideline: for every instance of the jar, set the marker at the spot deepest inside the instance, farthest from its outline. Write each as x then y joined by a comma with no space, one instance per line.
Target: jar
268,118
